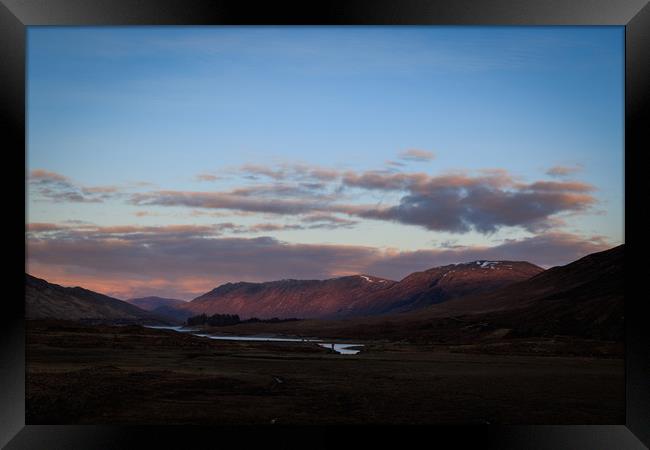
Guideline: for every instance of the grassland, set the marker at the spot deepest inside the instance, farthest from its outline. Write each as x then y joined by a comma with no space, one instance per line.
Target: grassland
128,374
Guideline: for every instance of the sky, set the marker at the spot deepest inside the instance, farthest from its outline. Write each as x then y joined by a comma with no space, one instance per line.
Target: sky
169,160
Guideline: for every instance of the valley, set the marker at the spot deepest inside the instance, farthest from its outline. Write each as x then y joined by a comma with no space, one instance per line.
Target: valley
546,348
135,375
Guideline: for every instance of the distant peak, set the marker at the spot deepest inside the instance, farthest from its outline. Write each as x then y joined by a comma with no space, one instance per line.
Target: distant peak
486,264
371,279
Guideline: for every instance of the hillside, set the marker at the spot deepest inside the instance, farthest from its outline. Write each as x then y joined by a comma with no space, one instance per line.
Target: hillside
581,299
45,300
288,298
359,295
165,307
441,284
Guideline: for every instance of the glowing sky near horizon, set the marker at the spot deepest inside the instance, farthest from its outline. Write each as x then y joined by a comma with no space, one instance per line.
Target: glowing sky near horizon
167,160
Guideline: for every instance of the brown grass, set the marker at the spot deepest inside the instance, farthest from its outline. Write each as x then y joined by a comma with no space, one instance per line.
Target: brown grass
127,375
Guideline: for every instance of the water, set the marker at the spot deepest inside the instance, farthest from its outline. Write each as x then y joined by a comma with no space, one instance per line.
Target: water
169,327
343,349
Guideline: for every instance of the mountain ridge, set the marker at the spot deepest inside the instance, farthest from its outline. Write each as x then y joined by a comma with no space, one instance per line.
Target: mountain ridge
45,300
358,295
581,299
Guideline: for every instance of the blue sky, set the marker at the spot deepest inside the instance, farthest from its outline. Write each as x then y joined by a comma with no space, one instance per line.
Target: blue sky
145,110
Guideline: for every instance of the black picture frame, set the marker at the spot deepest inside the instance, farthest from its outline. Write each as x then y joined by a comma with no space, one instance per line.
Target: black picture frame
16,15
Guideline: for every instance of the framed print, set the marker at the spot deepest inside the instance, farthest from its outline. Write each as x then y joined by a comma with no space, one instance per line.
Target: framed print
280,225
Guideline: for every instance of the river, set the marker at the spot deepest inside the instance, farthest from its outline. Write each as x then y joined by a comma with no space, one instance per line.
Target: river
342,349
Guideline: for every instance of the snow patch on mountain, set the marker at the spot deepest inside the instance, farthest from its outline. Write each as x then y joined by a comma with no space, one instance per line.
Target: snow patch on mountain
487,264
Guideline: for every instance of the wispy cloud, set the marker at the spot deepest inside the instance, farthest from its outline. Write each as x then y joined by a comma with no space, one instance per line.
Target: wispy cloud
395,164
564,171
456,202
417,155
59,188
143,233
294,172
134,233
224,200
207,177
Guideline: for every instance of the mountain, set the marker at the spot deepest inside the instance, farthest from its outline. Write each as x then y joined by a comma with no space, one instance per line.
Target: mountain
152,303
287,298
359,295
45,300
583,299
596,276
165,307
441,284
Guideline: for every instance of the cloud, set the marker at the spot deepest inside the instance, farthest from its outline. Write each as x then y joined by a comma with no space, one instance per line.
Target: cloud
59,188
383,180
207,177
123,233
328,219
458,202
483,207
315,191
37,227
563,171
311,222
99,190
183,261
416,155
266,227
558,186
147,234
145,214
41,175
253,171
461,203
294,172
225,200
455,202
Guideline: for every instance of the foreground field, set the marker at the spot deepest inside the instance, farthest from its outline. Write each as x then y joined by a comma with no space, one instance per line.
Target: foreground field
127,375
